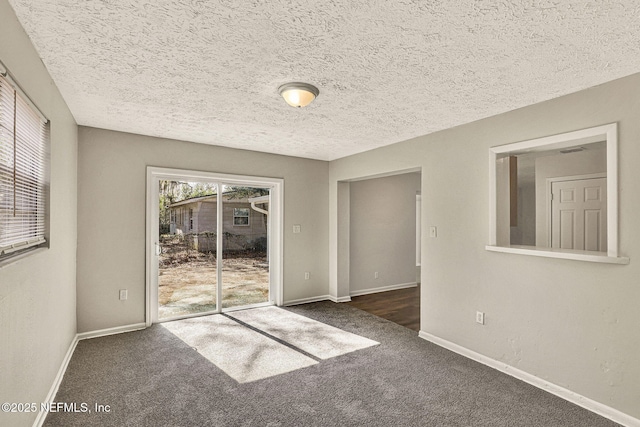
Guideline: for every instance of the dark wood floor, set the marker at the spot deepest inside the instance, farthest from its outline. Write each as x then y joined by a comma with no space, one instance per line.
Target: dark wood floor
401,306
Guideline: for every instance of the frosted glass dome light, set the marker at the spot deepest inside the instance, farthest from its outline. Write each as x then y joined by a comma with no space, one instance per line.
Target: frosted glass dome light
298,94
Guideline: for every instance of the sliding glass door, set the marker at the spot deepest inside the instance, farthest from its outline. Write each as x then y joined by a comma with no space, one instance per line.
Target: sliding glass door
211,247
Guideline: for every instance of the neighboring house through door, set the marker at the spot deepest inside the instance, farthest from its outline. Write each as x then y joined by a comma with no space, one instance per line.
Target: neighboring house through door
244,223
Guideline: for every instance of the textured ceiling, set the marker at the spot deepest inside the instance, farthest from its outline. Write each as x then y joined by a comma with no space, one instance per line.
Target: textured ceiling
208,71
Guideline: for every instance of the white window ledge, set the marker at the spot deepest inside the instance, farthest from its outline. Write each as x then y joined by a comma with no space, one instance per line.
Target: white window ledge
560,253
20,256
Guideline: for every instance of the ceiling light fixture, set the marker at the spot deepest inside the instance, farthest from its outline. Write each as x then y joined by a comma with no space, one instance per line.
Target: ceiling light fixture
298,94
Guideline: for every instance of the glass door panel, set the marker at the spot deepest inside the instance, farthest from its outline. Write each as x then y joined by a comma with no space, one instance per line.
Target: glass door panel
187,266
245,261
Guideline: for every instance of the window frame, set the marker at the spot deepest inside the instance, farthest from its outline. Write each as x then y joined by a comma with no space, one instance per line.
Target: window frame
34,232
608,133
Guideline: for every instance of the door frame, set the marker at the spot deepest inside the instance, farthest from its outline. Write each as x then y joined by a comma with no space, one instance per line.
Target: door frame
275,219
549,208
419,229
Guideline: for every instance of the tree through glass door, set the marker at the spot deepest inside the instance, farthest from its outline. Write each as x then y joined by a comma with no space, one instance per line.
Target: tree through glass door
188,276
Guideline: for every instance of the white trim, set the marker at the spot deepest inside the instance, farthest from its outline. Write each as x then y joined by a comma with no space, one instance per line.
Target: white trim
6,250
383,289
608,132
560,141
18,257
339,299
42,415
383,174
559,253
566,394
318,298
307,300
151,244
219,249
418,229
111,331
612,190
493,199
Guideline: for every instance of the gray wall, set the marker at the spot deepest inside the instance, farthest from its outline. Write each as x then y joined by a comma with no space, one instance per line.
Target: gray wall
111,224
572,323
38,292
383,231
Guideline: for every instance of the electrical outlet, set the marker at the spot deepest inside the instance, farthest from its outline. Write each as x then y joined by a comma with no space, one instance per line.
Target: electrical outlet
306,275
123,294
376,275
480,317
296,228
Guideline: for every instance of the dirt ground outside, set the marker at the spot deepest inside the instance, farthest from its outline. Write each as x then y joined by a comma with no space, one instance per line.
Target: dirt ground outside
188,278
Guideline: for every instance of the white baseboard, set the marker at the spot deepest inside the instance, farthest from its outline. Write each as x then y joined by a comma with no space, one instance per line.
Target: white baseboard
65,362
307,300
573,397
56,381
317,299
383,289
352,294
111,331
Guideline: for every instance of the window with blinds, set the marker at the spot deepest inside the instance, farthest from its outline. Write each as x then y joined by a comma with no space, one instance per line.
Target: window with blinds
24,136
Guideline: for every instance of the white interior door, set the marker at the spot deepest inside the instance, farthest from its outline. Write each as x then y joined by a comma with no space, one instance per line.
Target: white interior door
579,214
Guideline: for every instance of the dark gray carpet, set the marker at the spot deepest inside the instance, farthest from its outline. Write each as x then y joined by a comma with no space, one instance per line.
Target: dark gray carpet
151,378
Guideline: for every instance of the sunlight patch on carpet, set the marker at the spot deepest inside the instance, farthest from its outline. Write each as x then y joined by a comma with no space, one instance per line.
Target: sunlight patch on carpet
243,354
316,338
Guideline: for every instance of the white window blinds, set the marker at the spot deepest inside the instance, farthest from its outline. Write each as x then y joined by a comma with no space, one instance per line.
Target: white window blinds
24,136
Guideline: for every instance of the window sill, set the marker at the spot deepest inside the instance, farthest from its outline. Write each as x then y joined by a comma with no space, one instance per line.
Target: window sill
4,262
588,256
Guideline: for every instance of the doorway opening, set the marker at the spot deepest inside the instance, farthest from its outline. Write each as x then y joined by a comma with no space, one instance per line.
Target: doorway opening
214,243
380,223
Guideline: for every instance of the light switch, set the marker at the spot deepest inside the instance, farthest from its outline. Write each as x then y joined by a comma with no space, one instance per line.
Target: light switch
433,231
